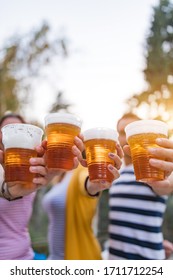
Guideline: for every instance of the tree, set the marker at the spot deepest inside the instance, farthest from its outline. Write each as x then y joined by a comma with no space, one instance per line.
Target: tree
22,59
60,103
158,73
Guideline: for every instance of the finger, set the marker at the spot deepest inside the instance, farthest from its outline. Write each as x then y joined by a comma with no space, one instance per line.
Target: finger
116,159
82,162
40,170
161,164
168,245
114,171
164,142
119,150
44,144
81,137
37,161
40,150
77,153
39,182
76,162
162,153
79,143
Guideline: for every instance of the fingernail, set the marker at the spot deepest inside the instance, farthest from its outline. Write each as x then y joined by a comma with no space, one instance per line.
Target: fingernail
32,168
110,167
111,155
32,160
35,180
153,160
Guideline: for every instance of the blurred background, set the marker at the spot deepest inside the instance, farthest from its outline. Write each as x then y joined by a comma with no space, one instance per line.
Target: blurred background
95,58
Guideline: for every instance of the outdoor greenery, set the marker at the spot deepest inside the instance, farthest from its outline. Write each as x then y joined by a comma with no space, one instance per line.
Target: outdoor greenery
157,98
23,58
22,61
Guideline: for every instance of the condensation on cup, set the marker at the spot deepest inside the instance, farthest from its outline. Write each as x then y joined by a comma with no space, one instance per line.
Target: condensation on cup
19,142
99,142
141,135
61,128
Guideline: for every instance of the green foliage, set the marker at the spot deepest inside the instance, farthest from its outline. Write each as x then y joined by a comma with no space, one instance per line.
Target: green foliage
38,225
158,73
168,221
103,219
21,61
59,103
158,97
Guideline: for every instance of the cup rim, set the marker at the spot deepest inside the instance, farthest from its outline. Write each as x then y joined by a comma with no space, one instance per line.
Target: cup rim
146,126
100,133
12,139
22,125
62,117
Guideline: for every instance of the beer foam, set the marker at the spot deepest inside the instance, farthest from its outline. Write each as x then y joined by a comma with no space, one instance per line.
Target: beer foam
100,133
21,136
146,126
63,118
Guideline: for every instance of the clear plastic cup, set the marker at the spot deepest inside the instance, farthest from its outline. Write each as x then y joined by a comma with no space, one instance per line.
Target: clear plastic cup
61,128
141,135
19,142
99,142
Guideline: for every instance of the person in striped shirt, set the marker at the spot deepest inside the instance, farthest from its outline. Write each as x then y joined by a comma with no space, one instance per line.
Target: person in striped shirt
136,209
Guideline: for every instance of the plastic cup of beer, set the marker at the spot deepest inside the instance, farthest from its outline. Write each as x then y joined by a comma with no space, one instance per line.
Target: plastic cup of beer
98,143
19,142
141,135
61,128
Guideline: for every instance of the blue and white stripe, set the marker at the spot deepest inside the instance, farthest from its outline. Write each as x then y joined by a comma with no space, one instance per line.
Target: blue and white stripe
135,219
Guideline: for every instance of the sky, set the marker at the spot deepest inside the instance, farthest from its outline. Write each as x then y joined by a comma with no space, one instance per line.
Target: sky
105,69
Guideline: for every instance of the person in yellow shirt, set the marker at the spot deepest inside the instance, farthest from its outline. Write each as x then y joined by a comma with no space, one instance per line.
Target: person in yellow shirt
71,210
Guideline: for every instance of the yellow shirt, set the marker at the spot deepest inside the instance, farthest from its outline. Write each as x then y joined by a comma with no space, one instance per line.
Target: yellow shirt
80,242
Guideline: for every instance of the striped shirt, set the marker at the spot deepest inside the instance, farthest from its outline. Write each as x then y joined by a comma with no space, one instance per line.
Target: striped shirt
135,219
54,203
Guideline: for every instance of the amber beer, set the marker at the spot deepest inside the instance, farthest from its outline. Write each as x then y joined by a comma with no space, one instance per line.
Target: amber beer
61,128
19,142
142,135
98,143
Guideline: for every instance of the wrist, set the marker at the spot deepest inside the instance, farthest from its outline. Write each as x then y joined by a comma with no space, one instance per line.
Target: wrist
90,189
4,192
